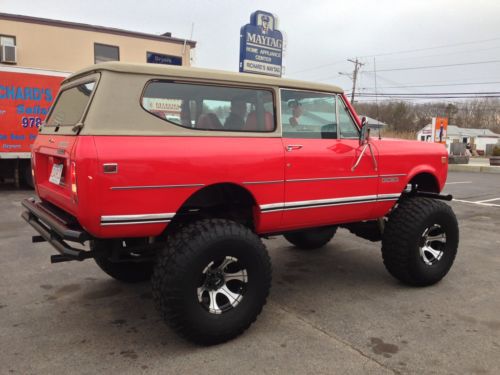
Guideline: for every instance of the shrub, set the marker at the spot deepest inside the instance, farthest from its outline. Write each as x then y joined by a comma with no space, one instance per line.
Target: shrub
496,151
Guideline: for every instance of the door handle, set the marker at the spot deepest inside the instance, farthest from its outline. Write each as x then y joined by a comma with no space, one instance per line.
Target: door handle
293,147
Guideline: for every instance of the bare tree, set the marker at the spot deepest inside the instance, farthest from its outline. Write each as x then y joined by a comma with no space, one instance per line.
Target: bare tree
404,116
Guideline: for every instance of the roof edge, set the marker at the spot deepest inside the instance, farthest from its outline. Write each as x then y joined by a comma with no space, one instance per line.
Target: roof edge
200,73
88,27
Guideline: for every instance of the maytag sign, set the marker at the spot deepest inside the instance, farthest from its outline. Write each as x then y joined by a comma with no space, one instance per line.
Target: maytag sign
261,45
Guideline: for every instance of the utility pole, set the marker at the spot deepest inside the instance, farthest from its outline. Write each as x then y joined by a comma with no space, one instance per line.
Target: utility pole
354,76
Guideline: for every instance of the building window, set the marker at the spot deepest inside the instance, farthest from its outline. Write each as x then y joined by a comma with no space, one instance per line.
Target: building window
104,52
159,58
6,40
8,53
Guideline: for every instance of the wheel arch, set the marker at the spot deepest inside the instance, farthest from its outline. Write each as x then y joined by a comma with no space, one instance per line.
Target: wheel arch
425,179
222,200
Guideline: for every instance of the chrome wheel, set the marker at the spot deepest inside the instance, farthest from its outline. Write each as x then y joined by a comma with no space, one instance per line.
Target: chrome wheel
222,285
432,244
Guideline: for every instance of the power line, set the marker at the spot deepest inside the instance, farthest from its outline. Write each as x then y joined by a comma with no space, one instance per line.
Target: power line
460,104
399,52
431,48
433,66
318,67
443,54
450,84
433,97
434,93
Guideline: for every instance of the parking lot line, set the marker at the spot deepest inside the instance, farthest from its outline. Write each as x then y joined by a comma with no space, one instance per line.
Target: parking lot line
488,200
459,182
479,203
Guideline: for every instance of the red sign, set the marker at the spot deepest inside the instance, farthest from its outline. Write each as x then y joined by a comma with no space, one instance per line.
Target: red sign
25,100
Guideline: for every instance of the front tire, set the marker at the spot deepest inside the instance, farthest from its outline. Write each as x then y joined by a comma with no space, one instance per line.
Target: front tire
309,239
212,280
420,241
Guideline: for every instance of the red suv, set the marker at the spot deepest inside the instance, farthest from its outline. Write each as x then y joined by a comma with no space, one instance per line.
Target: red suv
175,174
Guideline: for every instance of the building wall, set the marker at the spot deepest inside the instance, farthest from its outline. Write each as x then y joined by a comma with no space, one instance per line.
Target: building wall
68,49
481,142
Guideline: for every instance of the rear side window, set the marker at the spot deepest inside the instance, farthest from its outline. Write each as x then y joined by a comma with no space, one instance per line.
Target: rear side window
70,105
206,107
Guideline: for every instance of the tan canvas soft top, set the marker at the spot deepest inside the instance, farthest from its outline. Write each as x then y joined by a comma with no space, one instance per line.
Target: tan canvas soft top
170,71
115,106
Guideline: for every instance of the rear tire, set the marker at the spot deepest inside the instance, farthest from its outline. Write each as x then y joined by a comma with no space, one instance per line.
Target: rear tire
212,280
26,173
420,241
127,271
313,238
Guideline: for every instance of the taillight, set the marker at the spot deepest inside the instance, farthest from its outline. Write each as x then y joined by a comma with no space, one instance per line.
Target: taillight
33,166
74,189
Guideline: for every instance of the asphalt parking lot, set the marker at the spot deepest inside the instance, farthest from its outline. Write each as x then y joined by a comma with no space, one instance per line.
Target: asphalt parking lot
333,310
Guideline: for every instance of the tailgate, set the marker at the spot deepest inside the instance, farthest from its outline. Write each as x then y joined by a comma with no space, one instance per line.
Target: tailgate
54,169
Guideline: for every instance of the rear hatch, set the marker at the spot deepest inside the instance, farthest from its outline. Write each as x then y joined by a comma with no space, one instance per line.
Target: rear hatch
54,150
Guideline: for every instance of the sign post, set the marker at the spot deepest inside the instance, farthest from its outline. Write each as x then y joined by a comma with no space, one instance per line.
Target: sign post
261,45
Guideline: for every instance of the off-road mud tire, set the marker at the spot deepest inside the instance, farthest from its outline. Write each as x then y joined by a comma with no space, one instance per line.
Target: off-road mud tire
179,269
309,239
402,240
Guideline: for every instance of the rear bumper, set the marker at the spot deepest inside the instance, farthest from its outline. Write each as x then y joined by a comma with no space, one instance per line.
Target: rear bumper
56,227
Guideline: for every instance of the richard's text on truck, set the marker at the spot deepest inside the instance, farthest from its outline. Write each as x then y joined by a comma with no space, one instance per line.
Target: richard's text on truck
25,99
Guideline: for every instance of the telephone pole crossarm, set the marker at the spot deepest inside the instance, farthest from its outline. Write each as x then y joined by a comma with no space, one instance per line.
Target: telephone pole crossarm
357,66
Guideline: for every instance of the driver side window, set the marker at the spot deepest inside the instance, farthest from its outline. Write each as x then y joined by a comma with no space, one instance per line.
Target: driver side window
308,115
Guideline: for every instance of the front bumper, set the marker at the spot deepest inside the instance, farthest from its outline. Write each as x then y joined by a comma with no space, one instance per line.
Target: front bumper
56,227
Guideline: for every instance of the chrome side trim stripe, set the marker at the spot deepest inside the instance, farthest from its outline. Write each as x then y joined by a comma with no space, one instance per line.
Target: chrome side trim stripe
381,197
326,179
272,206
140,187
331,178
334,200
330,204
393,175
263,182
299,205
136,219
104,224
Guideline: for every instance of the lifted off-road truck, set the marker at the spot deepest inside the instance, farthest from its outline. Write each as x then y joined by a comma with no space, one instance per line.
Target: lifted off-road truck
175,174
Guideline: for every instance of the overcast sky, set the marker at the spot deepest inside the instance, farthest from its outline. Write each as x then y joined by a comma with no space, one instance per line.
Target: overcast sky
321,35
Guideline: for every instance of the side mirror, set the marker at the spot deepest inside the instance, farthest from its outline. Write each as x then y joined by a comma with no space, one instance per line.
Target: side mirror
364,121
365,132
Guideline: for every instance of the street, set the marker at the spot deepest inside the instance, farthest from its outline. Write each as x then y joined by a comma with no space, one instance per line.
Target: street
332,310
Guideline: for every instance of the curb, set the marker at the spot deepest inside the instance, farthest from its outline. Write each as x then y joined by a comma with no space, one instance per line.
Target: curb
473,168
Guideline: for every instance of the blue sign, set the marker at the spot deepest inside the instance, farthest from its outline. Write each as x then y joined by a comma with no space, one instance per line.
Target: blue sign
158,58
261,45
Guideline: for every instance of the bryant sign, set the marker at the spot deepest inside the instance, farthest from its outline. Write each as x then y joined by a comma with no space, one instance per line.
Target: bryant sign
261,45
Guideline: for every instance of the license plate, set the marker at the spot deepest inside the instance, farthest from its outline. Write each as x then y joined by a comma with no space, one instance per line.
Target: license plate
55,175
